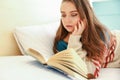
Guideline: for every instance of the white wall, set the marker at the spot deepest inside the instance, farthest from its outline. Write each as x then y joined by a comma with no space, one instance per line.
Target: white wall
23,13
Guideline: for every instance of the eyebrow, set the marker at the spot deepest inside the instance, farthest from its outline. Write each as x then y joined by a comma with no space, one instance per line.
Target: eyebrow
70,11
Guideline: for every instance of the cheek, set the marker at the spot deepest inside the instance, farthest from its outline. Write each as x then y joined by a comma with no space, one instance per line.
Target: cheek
75,22
72,21
63,22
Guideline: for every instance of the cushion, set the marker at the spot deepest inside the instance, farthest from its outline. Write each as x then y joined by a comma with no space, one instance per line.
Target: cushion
38,37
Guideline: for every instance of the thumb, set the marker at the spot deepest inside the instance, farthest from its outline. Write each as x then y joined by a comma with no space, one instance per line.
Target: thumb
75,30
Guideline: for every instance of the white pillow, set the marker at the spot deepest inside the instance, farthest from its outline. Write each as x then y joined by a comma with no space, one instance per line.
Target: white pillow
38,37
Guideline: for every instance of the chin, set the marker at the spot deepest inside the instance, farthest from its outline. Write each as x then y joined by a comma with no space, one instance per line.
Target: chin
70,30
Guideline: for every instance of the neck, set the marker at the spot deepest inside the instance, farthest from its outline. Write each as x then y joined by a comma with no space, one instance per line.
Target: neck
67,37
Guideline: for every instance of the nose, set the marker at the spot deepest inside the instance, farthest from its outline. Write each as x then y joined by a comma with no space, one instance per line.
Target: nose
67,19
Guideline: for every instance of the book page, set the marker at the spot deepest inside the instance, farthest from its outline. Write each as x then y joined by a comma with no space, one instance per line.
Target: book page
36,55
68,72
70,62
46,53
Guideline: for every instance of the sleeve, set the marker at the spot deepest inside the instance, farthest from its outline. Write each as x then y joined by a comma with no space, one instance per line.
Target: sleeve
92,65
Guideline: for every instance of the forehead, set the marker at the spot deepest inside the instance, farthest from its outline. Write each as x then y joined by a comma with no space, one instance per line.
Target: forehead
67,6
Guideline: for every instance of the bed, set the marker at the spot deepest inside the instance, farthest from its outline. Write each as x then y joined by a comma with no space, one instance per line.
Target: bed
39,37
27,68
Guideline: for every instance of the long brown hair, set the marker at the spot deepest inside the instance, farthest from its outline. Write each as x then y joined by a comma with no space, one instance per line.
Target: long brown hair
91,37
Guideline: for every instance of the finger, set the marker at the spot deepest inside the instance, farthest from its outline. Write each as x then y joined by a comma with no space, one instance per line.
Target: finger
83,25
75,30
79,26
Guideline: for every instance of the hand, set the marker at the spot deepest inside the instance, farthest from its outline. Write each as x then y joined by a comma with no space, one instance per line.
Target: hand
90,76
79,28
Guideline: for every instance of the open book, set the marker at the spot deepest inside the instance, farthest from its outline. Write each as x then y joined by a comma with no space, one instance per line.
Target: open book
67,61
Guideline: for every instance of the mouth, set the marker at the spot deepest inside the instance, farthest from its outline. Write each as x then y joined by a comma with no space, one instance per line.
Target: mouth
69,26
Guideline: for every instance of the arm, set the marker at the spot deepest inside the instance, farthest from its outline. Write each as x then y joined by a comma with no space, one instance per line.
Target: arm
93,66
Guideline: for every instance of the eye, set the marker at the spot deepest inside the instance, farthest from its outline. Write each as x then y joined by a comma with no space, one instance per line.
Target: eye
74,14
63,15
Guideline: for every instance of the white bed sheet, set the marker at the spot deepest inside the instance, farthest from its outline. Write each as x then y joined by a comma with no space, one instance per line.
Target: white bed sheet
27,68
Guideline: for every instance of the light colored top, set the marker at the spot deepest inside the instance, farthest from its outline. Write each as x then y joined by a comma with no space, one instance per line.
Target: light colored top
112,55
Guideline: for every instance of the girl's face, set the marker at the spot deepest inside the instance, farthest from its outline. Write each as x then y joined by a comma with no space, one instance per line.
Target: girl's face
69,16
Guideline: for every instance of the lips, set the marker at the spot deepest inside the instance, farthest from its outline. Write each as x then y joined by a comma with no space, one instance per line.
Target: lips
69,26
